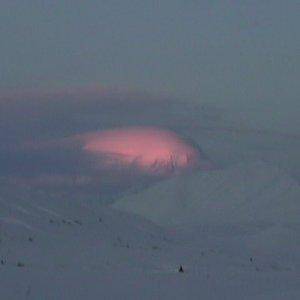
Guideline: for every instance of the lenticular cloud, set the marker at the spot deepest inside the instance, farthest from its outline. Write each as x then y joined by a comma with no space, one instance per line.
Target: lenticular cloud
149,149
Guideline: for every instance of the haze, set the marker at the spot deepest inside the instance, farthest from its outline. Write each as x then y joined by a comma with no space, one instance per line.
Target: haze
232,54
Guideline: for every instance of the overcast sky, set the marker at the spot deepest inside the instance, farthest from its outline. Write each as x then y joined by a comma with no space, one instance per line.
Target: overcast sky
241,52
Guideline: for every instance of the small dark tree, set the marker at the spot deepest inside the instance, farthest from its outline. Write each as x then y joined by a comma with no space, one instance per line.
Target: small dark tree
180,270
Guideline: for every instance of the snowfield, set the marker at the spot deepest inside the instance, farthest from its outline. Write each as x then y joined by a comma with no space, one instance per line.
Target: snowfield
247,192
235,231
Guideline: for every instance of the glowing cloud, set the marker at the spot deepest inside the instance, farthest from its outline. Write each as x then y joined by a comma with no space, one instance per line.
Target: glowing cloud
150,149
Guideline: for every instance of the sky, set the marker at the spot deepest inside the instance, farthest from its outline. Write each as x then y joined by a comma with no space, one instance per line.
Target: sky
97,64
244,53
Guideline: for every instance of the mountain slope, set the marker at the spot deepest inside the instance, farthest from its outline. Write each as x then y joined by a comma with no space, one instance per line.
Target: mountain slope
247,192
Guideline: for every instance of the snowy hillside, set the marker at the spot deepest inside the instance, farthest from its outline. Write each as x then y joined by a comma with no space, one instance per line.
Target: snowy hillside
247,192
70,249
234,230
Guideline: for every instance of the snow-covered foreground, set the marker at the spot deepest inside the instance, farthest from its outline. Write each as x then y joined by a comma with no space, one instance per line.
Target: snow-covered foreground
235,231
75,251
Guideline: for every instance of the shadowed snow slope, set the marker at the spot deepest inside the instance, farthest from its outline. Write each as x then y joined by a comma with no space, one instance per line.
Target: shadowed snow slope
65,249
247,192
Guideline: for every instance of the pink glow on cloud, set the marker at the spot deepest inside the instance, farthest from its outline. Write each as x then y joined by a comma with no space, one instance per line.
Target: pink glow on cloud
150,149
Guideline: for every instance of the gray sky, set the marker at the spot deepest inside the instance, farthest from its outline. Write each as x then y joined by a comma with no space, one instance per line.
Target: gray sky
238,54
241,52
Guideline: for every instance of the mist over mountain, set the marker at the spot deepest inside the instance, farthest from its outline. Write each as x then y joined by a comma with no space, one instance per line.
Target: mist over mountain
70,221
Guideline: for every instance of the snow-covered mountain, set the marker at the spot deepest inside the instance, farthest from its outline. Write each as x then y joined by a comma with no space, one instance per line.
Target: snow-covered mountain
235,230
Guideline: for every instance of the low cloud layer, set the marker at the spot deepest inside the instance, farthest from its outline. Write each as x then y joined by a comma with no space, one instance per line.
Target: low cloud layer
42,133
40,148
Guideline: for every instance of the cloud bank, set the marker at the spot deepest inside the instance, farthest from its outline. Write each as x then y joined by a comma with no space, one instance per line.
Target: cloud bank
55,139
